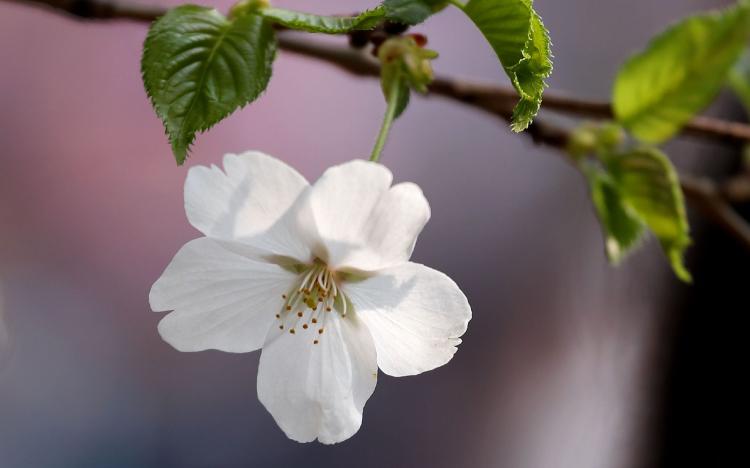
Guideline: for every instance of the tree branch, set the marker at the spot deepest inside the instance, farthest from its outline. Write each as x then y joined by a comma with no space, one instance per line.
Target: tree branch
355,62
101,9
707,198
705,195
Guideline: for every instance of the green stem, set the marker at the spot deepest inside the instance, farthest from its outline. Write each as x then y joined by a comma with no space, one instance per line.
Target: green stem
390,113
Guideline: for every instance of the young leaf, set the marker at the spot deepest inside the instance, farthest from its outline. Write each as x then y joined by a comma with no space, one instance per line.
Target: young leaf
390,72
324,24
517,35
660,89
198,67
650,189
622,230
411,12
739,79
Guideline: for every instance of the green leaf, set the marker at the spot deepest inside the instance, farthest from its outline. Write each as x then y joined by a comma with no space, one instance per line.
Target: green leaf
595,138
650,189
517,35
622,230
391,72
198,67
660,89
412,12
739,80
404,96
324,24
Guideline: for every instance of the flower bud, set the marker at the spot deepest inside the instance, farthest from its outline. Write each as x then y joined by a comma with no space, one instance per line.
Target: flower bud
407,56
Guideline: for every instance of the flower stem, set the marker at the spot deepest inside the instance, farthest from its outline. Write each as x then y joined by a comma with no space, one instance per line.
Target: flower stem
394,96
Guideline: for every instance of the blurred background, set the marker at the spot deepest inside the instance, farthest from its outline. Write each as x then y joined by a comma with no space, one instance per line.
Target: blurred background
566,363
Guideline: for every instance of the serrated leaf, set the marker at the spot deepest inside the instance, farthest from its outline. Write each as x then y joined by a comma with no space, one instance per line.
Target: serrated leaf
412,12
324,24
650,189
198,67
517,35
679,73
622,230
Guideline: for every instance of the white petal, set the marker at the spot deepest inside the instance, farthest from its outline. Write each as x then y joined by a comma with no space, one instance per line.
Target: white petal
318,390
415,315
362,222
294,235
247,197
222,298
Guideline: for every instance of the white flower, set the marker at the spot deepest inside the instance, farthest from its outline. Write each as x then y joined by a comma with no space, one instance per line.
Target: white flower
316,275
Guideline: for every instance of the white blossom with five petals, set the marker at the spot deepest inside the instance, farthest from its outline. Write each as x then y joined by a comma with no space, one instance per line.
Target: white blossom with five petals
319,277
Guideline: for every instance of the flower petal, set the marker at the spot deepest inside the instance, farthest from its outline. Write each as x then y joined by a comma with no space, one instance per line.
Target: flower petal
415,315
363,223
222,297
293,236
318,390
247,197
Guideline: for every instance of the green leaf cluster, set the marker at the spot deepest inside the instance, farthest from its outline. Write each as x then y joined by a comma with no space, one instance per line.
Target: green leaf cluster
199,66
636,190
680,72
517,35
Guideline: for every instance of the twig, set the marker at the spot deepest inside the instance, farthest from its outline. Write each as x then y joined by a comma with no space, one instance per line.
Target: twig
101,9
737,189
706,197
499,101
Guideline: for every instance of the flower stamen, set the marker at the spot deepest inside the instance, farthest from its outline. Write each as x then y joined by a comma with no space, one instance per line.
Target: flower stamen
317,292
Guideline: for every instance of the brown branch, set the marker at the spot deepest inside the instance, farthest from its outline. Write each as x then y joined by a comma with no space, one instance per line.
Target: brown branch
713,201
707,198
737,189
101,9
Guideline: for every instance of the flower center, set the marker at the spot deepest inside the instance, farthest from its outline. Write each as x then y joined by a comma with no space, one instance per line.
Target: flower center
307,306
